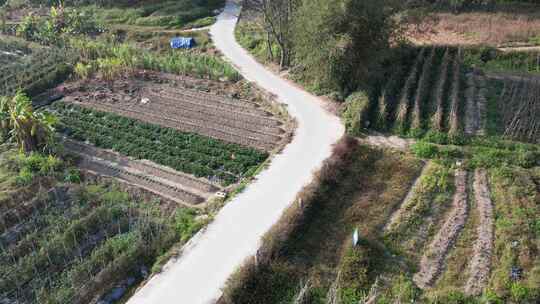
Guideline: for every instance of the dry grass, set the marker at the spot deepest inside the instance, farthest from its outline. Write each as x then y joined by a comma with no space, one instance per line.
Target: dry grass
493,28
357,188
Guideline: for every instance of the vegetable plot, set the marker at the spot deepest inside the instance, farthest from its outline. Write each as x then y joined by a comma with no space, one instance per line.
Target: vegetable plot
185,152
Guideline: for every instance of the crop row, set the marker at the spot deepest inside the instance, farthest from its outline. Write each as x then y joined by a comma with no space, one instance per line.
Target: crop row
38,231
453,119
62,248
201,106
202,95
520,111
185,152
422,91
435,254
33,74
480,265
212,104
215,117
184,126
212,117
437,121
185,120
404,101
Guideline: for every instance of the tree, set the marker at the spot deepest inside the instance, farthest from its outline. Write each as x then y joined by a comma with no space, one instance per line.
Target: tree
340,42
110,69
278,19
32,130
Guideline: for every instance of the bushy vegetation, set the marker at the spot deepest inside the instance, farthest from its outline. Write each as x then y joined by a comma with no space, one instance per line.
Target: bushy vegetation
517,229
31,130
186,152
492,60
168,14
355,113
482,153
61,23
128,57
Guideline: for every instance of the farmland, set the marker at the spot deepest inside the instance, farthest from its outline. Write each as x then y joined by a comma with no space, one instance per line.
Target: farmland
67,241
144,146
431,235
449,92
30,67
168,104
185,152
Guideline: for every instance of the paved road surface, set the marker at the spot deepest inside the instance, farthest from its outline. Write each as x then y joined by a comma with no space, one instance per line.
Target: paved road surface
199,274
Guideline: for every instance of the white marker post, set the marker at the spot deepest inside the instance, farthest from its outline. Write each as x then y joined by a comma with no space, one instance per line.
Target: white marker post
355,237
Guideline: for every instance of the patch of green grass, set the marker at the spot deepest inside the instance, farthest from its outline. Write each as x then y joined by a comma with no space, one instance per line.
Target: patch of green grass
167,14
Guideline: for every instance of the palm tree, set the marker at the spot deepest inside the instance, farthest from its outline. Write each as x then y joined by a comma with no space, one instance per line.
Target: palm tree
31,130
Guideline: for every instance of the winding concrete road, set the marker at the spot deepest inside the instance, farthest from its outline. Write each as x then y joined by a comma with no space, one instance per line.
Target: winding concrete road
198,275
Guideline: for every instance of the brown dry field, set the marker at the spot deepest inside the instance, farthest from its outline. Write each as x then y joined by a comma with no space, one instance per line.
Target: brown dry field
471,28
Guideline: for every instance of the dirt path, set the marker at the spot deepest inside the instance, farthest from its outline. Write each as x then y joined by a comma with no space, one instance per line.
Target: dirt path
481,261
392,142
432,260
198,275
520,49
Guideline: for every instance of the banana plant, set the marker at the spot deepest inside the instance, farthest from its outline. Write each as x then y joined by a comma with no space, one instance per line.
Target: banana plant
32,130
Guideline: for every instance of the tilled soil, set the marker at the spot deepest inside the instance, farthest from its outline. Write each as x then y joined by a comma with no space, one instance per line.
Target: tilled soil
433,259
172,185
481,261
189,110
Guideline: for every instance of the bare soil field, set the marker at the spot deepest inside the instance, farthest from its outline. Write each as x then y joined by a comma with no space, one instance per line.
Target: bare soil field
499,28
483,248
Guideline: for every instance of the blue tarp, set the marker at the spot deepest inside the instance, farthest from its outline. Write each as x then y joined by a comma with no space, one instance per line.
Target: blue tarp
182,42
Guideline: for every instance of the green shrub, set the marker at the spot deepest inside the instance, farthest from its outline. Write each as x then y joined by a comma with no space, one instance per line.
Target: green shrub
519,293
355,113
404,290
435,137
25,177
424,150
186,224
72,175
